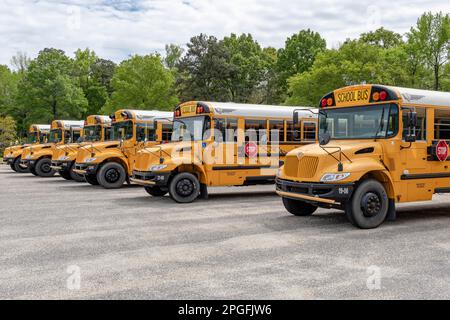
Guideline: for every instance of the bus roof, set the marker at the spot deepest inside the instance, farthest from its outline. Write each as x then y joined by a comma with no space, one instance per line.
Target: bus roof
257,110
39,127
144,114
67,124
92,119
422,97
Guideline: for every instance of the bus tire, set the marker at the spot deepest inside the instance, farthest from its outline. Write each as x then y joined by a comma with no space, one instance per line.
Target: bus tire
33,171
91,179
368,206
43,168
156,191
13,168
75,176
65,175
18,168
111,175
184,188
298,207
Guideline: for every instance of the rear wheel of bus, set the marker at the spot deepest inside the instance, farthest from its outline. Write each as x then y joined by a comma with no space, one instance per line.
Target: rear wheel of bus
17,168
43,168
298,207
91,179
368,206
156,191
184,188
111,175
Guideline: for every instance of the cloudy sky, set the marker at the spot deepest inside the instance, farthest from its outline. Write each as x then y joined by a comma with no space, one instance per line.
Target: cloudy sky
116,29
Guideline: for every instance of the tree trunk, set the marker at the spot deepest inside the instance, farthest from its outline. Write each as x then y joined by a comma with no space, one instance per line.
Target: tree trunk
436,77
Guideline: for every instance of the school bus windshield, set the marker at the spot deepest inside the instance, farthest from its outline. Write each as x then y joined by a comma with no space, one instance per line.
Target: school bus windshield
361,122
92,133
55,136
122,130
191,128
32,137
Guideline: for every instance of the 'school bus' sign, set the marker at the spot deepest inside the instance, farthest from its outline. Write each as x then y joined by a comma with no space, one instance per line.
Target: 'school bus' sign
359,95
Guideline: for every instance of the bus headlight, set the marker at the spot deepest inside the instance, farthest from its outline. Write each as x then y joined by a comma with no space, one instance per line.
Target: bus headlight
90,159
158,167
332,177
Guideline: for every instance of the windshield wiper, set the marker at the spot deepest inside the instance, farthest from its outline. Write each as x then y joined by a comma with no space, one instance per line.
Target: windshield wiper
381,126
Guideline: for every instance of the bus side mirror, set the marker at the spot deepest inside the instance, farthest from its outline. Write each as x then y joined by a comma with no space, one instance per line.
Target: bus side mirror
296,119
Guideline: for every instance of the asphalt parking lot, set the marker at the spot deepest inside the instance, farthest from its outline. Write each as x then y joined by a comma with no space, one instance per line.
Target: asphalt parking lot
66,240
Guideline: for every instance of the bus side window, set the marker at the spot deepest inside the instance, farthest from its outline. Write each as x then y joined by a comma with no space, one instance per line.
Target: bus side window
76,135
441,124
393,122
66,136
292,134
225,129
107,133
276,130
256,131
166,132
145,133
309,131
421,128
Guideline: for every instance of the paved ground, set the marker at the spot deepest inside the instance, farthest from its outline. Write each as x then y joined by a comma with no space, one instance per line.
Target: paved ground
240,243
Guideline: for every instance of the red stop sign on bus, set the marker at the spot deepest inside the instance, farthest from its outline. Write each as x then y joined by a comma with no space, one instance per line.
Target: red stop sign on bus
251,149
442,150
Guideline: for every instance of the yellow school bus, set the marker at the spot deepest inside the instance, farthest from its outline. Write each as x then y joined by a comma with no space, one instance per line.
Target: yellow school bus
37,134
38,158
109,163
96,128
221,144
378,146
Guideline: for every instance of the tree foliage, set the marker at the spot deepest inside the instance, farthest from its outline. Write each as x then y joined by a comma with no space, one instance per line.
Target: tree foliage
142,82
7,132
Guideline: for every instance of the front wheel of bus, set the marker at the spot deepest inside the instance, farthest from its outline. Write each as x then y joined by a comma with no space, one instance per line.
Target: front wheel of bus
156,191
298,207
184,188
111,175
368,207
18,168
43,168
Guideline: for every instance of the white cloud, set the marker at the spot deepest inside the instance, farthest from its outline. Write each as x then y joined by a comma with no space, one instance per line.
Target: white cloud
116,29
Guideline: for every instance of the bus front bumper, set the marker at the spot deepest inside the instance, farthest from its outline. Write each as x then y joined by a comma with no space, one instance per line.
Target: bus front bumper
61,165
148,178
86,168
317,193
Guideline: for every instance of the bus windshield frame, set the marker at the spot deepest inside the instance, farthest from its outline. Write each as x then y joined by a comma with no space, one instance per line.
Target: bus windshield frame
33,137
376,121
128,127
195,128
55,136
96,136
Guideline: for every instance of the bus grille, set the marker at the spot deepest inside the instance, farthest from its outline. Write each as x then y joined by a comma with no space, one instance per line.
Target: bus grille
291,166
307,167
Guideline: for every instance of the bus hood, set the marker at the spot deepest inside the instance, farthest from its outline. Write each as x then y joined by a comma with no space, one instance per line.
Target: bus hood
309,163
91,150
165,153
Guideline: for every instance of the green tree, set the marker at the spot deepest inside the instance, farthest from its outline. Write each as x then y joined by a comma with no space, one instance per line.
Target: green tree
173,56
142,82
21,61
49,91
204,70
7,132
247,67
353,63
8,90
298,54
382,38
432,36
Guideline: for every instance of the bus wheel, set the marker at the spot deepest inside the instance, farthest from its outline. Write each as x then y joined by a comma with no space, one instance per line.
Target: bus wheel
43,168
33,171
368,207
65,174
75,176
91,179
156,191
298,207
13,168
18,168
184,188
111,175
